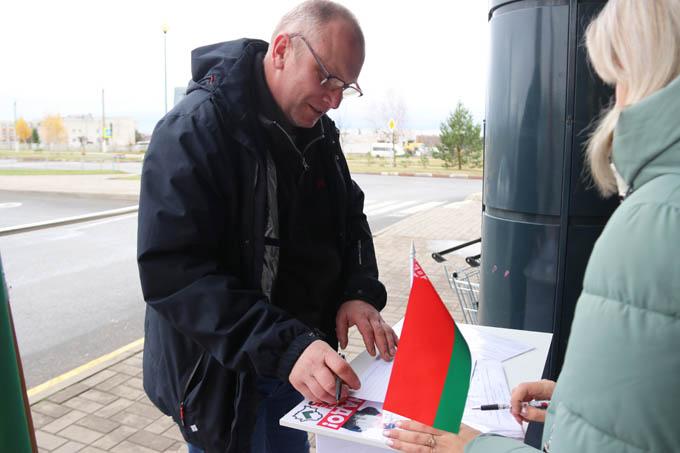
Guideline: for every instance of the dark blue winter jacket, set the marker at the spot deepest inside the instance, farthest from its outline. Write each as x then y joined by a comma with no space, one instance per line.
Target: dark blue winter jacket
210,326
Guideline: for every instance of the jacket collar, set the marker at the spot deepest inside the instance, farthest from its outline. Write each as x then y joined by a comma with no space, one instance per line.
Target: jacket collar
226,71
647,137
284,134
267,106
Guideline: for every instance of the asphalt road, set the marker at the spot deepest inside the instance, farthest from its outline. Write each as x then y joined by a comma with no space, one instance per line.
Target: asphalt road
391,198
75,292
18,208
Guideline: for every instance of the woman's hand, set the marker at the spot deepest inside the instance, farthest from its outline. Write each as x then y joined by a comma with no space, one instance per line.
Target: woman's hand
416,437
525,392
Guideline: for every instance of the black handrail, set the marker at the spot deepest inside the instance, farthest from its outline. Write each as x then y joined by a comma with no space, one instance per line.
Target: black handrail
439,256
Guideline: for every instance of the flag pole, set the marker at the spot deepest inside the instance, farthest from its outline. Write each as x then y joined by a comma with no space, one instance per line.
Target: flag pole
412,259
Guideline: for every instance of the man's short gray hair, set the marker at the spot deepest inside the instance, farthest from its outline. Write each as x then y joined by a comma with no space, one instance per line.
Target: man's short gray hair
309,18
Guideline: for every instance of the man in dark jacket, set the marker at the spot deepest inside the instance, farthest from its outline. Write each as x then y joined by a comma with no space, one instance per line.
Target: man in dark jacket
255,256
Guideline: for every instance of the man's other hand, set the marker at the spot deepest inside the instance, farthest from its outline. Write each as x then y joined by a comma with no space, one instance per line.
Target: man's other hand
373,329
314,373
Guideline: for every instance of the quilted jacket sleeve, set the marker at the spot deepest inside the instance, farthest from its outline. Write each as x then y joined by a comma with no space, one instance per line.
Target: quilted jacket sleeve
488,443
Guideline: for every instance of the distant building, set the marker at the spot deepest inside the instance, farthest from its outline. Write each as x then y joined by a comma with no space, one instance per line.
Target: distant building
180,92
429,140
357,141
83,130
7,134
365,141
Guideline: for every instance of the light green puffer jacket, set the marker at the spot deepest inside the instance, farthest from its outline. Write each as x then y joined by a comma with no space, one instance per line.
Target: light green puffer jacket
619,390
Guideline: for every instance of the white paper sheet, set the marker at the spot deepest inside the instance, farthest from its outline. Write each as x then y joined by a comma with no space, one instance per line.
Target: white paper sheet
487,386
374,381
487,346
483,346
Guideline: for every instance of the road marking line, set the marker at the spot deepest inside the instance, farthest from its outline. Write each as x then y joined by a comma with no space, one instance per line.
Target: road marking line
76,371
393,207
422,207
94,224
67,221
379,205
376,203
9,205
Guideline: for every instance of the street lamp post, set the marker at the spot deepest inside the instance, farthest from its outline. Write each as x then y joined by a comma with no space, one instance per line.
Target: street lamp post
103,134
165,66
16,136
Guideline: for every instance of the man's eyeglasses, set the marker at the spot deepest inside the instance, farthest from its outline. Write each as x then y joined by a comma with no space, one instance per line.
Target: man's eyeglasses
330,81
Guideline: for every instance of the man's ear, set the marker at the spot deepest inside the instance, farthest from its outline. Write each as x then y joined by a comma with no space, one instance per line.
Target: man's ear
280,50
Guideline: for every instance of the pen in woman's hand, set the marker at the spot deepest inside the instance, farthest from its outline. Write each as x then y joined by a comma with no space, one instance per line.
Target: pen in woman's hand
499,406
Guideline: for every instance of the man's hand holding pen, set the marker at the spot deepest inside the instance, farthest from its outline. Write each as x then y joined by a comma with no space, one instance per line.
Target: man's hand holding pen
315,374
321,374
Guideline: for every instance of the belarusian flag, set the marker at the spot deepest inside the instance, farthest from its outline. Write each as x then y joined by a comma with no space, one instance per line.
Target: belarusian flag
16,428
431,372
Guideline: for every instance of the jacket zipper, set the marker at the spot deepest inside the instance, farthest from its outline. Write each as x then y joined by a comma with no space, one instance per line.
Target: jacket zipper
186,388
359,247
305,165
257,170
343,183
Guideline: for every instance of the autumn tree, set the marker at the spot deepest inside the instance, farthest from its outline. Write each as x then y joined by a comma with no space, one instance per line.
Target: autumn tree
460,136
23,131
53,130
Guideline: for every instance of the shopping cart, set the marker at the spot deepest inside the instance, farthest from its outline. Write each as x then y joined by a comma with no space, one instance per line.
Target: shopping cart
465,282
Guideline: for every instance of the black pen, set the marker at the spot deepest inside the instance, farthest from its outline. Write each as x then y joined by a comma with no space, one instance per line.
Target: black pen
338,383
500,406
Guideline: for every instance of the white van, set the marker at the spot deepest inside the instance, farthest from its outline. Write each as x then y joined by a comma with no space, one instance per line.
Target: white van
385,150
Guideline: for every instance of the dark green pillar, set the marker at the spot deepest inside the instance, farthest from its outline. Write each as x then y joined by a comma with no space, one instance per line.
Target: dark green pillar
540,219
16,428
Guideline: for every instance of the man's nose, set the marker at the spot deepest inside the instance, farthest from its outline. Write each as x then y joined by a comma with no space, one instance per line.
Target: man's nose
334,98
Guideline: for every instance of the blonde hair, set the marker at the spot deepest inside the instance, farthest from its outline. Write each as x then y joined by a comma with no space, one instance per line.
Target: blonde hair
635,43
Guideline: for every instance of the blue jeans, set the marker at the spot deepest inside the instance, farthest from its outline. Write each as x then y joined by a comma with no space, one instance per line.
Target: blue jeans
270,437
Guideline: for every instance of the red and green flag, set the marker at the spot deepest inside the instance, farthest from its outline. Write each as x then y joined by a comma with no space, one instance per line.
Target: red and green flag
16,428
431,372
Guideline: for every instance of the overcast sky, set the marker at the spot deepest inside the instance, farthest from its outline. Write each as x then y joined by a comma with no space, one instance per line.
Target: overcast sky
57,56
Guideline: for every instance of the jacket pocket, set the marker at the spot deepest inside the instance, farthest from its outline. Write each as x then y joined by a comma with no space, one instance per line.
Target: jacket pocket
189,404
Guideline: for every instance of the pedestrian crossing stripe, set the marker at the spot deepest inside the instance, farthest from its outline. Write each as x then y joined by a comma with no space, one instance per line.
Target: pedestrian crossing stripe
371,205
423,207
397,208
391,207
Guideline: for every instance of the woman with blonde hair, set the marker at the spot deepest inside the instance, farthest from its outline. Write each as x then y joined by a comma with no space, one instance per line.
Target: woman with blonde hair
619,389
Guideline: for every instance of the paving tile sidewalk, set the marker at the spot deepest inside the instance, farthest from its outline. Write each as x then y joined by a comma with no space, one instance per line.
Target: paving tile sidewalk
108,411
